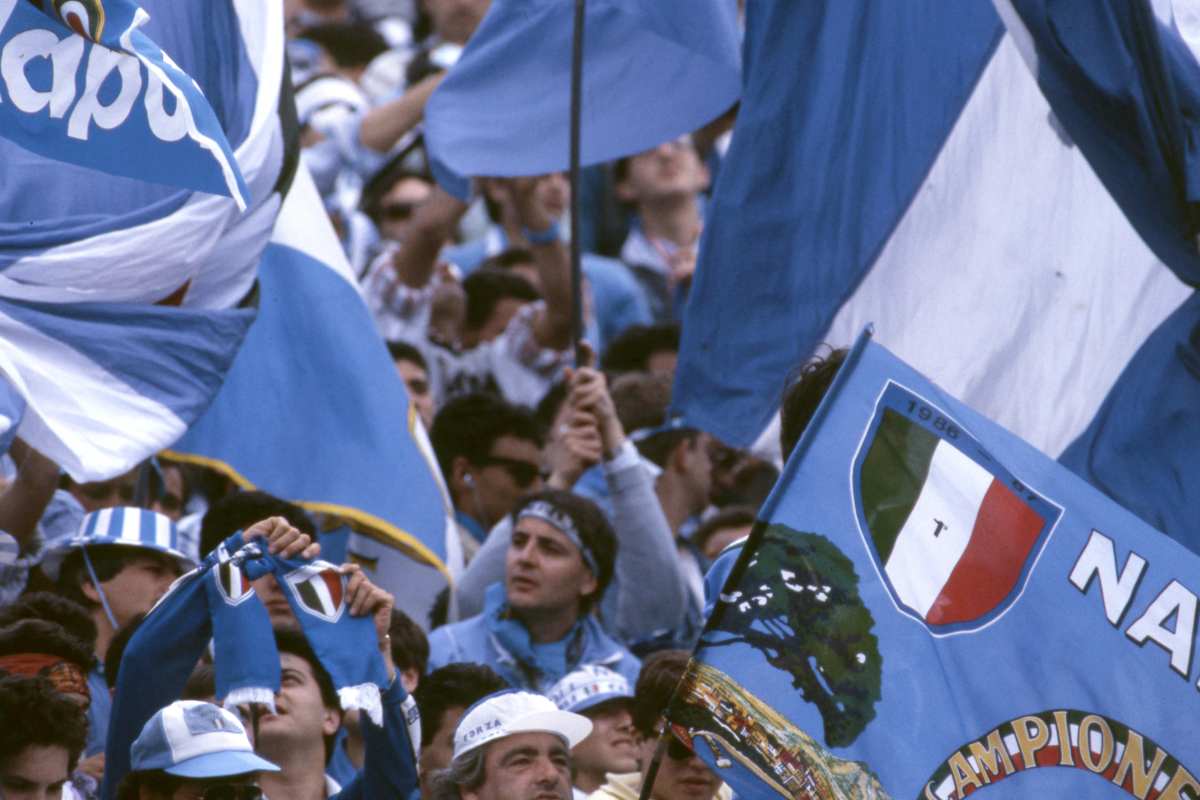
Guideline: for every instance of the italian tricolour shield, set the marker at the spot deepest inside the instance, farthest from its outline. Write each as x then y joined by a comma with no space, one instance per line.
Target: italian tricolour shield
954,535
317,589
231,583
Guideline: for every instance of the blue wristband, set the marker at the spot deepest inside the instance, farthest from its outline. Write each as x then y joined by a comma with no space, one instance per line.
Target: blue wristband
551,235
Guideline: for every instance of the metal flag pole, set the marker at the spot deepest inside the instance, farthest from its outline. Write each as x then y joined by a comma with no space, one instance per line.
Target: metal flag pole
576,119
651,772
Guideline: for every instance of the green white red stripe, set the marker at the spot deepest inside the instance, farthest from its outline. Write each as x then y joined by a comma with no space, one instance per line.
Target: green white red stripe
951,537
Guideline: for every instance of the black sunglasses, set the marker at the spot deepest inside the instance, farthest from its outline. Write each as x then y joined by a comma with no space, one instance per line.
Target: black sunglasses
398,212
232,791
523,473
677,750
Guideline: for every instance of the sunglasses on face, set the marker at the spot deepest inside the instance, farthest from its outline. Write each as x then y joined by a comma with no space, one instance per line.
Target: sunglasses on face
523,473
398,212
677,750
231,791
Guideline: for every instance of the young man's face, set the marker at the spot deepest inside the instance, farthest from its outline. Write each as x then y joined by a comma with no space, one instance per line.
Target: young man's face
398,205
610,747
193,789
544,570
673,169
134,590
36,773
301,717
525,766
416,380
681,774
511,468
439,752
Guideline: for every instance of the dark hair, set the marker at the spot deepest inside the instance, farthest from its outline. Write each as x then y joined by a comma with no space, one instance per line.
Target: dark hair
731,517
37,715
201,684
403,351
752,482
116,649
73,617
410,646
593,527
371,201
655,684
156,781
45,637
485,288
550,404
453,686
507,259
295,642
642,401
349,44
240,510
469,425
803,394
107,561
631,350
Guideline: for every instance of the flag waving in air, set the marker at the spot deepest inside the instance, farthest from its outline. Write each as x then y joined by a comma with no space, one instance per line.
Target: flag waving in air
54,99
930,608
123,301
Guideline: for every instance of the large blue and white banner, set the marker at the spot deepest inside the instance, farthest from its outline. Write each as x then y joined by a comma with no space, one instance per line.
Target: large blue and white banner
119,298
314,411
1015,235
931,608
83,83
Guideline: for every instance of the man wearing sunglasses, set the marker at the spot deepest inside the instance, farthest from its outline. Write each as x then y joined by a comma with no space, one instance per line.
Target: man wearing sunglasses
193,751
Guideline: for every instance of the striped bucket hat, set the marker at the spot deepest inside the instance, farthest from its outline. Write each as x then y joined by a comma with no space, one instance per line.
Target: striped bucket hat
126,526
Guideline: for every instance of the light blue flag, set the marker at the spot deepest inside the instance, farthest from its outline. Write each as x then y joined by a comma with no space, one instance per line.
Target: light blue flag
931,608
84,84
314,411
1016,235
123,302
652,71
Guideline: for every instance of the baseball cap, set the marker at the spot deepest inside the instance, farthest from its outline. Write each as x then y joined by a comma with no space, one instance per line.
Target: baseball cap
588,687
513,711
123,525
193,739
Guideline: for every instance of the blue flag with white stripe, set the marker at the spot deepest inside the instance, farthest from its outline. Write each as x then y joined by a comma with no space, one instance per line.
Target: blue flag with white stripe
123,302
930,608
901,164
652,71
314,411
83,83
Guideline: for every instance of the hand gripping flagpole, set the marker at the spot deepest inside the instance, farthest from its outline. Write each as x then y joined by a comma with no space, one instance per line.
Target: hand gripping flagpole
576,245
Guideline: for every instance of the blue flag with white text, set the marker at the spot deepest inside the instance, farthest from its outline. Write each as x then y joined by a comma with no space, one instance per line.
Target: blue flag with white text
123,301
1016,235
652,70
84,84
314,411
930,608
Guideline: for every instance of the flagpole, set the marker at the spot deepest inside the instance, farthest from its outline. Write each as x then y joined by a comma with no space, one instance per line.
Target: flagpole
651,772
576,245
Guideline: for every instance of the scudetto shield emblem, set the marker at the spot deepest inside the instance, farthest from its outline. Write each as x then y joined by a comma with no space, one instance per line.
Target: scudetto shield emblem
954,534
318,590
231,583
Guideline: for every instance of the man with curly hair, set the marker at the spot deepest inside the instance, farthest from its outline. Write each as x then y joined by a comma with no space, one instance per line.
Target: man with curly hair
38,755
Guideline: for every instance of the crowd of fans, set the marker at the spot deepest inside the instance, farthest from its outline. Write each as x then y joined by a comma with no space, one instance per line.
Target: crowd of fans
587,512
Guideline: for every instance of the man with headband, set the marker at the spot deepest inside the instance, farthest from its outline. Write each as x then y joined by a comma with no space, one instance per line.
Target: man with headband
538,625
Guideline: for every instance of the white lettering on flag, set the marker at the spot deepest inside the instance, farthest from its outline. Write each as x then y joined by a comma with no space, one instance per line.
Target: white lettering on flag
936,533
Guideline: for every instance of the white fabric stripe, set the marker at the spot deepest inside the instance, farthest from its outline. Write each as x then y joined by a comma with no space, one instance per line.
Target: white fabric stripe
131,526
921,562
1014,281
83,418
104,523
162,532
304,225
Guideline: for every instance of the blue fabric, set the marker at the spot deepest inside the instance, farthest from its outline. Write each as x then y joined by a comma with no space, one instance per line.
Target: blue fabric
652,70
116,105
340,767
879,688
843,113
12,408
337,437
471,526
238,617
537,669
175,356
98,712
1143,447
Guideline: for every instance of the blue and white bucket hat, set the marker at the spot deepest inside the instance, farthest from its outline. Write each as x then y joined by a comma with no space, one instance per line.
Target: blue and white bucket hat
193,739
588,687
126,526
